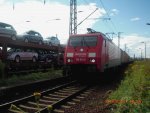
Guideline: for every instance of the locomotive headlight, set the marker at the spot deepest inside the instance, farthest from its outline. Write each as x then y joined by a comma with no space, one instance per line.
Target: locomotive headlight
93,60
92,55
69,60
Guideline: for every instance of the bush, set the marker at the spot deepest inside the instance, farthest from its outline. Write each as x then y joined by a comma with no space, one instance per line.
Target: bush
21,79
133,94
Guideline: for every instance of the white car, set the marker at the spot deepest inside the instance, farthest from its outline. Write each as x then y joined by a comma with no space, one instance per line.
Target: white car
7,30
52,41
19,55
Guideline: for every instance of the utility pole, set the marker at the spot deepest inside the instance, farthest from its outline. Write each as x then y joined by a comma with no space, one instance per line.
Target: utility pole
145,49
73,17
125,47
111,33
13,5
119,33
141,52
44,2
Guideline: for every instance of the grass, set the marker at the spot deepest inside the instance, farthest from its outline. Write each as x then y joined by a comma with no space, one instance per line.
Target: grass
15,80
133,94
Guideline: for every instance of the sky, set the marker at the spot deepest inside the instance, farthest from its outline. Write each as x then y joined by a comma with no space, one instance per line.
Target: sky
51,18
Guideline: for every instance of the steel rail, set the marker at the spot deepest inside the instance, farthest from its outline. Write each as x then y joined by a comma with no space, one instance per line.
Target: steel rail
8,93
4,107
63,101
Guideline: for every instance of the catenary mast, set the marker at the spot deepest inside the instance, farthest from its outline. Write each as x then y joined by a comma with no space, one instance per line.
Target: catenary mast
73,17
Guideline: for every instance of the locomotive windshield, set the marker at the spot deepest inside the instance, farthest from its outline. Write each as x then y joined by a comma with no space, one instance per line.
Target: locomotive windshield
83,41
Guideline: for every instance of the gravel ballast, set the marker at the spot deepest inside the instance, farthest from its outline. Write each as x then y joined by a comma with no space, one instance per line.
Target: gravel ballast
94,102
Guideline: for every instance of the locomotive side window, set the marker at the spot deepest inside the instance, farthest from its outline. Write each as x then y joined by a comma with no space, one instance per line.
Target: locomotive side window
83,41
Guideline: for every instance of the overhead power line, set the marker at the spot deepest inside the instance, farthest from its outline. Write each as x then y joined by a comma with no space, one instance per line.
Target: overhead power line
108,15
87,17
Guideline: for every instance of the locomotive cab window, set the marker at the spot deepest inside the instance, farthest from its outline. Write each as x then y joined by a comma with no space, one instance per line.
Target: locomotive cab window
75,41
90,41
83,41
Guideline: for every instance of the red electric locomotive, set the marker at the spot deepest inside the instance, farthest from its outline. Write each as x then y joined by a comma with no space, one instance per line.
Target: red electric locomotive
91,52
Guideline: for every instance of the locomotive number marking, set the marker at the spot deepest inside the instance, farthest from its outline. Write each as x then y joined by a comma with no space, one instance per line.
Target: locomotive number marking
80,59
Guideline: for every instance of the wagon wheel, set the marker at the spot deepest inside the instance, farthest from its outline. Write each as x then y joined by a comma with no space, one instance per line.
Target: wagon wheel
34,59
17,59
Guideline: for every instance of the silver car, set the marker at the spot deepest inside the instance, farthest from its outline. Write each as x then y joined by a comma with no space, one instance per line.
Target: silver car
7,30
31,36
52,41
19,55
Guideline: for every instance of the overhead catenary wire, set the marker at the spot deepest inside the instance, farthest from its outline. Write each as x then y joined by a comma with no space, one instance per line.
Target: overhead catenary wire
86,17
108,15
112,24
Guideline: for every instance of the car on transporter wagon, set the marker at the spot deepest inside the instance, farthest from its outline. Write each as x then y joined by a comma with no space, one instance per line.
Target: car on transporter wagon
31,36
52,41
46,56
55,59
19,55
7,30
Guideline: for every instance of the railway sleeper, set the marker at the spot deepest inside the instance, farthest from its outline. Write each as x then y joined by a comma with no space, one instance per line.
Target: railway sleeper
65,106
59,96
61,93
28,108
71,88
67,91
71,103
84,94
76,100
74,90
51,98
87,92
47,101
35,104
80,97
15,111
58,111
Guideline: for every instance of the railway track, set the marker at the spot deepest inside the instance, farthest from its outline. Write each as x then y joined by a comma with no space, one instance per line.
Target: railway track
19,91
9,73
47,101
24,70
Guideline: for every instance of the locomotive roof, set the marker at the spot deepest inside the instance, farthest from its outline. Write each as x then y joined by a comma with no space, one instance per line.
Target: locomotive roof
87,34
91,34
